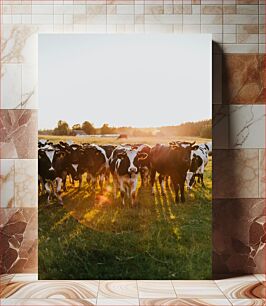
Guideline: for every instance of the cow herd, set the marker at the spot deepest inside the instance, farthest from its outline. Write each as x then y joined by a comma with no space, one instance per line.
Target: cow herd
180,161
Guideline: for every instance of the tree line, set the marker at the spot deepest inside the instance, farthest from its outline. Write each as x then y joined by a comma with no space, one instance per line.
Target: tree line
201,128
63,129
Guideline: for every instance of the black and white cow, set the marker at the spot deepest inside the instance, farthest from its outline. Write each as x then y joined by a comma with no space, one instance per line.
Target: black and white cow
199,161
73,162
95,163
125,167
50,171
108,148
173,161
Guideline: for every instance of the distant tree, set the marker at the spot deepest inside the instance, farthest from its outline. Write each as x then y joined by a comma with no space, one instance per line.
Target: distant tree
206,131
88,128
106,129
62,128
46,132
76,126
201,128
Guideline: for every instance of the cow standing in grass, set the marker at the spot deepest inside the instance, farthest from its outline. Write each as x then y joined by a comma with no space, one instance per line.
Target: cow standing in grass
145,167
108,148
71,162
95,162
74,163
125,166
199,161
50,171
174,161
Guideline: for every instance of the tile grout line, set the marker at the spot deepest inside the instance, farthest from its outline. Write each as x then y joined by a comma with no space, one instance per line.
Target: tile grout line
258,173
174,289
221,291
138,291
98,289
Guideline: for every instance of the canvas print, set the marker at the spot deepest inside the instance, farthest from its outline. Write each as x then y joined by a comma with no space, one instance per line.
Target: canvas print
124,156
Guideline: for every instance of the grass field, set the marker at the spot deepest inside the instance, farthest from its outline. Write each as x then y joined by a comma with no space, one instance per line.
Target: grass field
94,237
104,140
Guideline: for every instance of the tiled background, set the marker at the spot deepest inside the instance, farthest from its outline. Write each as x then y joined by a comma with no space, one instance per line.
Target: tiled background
238,28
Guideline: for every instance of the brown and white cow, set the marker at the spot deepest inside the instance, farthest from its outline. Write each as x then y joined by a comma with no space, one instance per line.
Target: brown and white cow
173,161
144,164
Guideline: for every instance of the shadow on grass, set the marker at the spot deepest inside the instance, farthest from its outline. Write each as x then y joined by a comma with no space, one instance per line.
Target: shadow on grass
93,236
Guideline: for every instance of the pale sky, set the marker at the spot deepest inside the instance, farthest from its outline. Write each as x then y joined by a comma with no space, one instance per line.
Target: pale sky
140,80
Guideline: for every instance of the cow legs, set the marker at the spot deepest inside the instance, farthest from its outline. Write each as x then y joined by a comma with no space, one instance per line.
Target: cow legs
64,184
101,181
161,181
49,191
58,190
58,184
192,180
144,176
189,176
88,179
107,175
94,182
200,174
182,191
64,176
91,180
115,183
41,185
122,191
176,188
71,180
153,174
80,180
147,175
166,178
133,193
202,182
133,197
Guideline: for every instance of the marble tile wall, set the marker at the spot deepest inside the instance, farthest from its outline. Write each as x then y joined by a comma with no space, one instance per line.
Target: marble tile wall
239,232
238,28
18,232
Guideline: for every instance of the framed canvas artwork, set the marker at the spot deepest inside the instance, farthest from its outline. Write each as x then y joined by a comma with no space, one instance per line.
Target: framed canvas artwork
124,156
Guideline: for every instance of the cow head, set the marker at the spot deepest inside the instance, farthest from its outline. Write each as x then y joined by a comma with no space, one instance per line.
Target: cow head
75,151
46,160
184,150
196,162
131,159
42,143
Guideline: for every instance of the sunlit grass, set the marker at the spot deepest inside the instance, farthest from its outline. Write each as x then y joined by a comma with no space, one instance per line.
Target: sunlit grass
103,140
